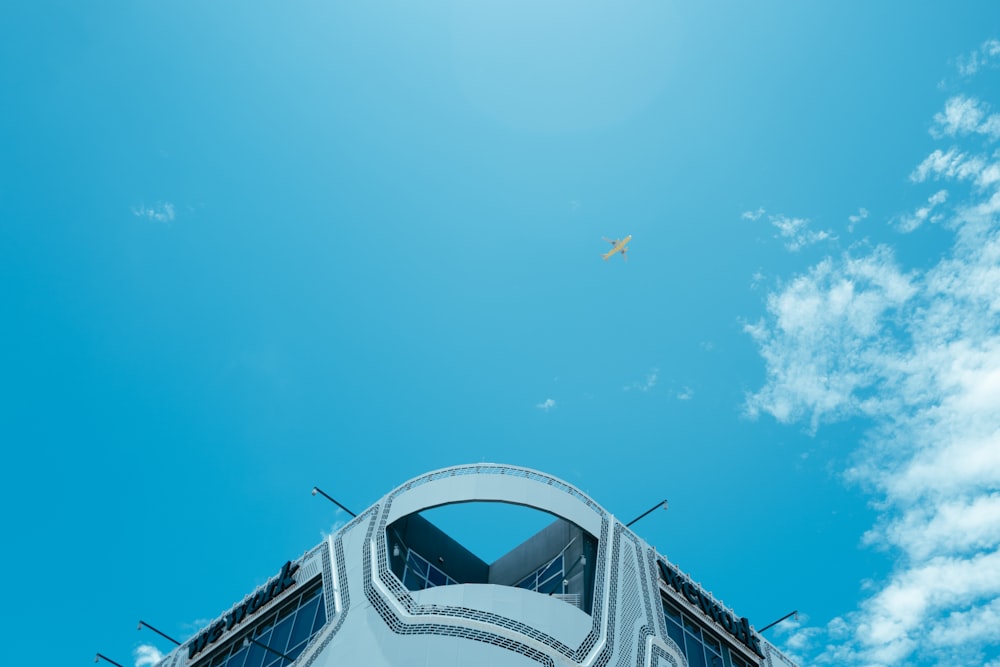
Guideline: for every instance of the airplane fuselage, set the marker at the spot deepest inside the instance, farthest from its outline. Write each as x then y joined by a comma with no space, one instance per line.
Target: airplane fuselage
621,245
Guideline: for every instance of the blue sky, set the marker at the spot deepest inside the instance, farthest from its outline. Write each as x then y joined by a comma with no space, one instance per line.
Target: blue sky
246,249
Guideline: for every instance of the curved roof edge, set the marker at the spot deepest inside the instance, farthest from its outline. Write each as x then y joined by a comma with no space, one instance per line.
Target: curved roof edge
495,482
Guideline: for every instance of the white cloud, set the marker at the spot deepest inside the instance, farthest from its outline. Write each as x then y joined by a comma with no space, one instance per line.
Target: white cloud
159,212
966,115
795,232
685,394
647,383
952,164
911,222
146,654
917,353
985,56
335,528
546,405
856,218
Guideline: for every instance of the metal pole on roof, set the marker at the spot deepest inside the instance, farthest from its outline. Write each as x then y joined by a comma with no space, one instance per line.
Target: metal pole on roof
662,503
771,625
320,491
107,659
165,636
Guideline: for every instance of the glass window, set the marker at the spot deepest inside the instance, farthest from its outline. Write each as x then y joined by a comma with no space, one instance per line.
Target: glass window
436,577
546,579
279,638
700,646
420,574
695,654
286,630
303,623
320,619
237,658
255,656
416,563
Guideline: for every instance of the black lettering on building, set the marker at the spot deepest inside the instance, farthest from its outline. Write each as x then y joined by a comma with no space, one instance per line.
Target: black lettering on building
697,597
243,611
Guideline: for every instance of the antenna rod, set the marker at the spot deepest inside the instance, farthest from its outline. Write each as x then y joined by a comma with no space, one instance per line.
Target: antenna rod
771,625
165,636
662,503
320,491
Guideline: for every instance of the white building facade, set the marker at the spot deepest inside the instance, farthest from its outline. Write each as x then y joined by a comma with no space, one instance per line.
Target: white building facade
390,589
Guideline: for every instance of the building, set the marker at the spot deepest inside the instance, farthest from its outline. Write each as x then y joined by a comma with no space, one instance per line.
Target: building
391,588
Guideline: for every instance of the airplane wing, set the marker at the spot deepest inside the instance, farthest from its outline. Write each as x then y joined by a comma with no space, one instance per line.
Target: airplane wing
612,242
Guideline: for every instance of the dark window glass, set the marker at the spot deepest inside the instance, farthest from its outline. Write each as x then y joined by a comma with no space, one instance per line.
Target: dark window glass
413,581
554,568
303,623
435,577
700,646
553,585
308,605
255,656
320,619
675,632
287,611
416,563
237,658
279,638
695,654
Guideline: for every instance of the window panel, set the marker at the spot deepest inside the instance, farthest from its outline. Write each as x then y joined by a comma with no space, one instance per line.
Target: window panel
320,618
696,653
700,646
555,568
553,585
436,577
416,563
255,656
237,658
279,638
303,622
676,633
412,581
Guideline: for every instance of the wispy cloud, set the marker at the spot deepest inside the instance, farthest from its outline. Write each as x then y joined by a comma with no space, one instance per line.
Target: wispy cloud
146,654
987,55
795,232
159,212
685,394
335,528
908,223
965,115
918,354
853,220
647,383
546,405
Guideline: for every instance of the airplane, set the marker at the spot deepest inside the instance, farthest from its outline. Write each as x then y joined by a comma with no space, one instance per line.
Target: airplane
620,245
